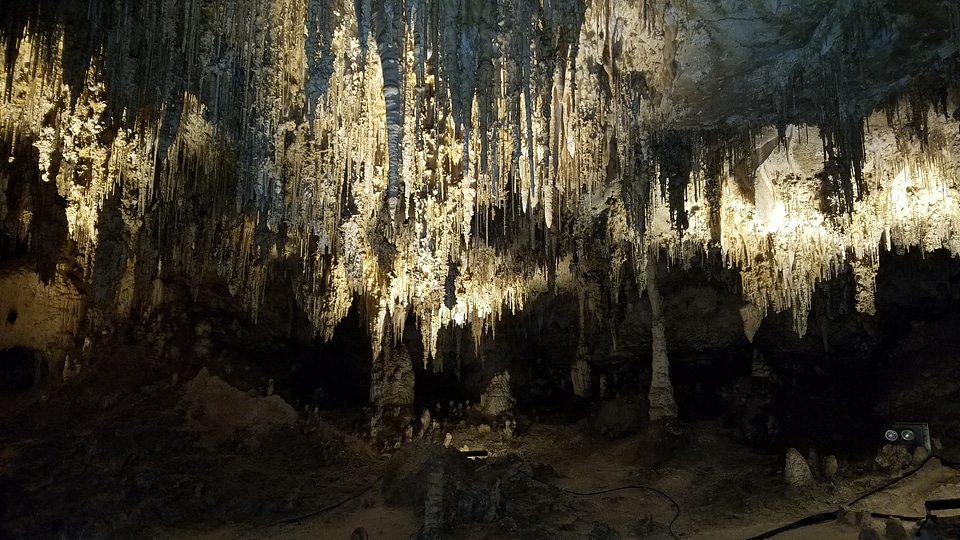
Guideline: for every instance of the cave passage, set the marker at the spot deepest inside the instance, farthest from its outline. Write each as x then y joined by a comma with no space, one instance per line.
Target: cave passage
478,269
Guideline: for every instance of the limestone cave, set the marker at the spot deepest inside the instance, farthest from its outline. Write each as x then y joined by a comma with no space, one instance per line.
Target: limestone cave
480,269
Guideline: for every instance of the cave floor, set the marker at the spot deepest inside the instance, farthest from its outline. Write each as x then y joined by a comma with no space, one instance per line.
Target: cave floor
85,461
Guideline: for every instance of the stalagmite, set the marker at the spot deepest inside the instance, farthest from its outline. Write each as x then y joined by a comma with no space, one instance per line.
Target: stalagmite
580,376
662,404
391,391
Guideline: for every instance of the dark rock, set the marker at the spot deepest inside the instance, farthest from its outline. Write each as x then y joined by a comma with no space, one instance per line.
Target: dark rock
895,529
659,443
602,531
645,525
21,368
445,488
618,418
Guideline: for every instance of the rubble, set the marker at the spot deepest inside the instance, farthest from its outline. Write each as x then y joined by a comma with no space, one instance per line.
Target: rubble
894,457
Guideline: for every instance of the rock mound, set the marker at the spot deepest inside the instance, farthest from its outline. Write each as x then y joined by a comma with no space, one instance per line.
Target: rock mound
219,410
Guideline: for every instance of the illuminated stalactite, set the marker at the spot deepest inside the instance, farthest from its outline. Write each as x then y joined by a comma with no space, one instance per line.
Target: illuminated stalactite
377,145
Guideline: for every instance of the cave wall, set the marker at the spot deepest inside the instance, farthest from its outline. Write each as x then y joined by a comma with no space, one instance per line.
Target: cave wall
447,164
41,316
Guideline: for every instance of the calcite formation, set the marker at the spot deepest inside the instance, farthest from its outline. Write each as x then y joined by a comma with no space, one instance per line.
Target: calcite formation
796,471
497,399
452,159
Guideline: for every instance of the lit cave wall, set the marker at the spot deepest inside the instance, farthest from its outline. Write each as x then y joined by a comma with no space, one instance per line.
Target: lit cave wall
638,212
447,174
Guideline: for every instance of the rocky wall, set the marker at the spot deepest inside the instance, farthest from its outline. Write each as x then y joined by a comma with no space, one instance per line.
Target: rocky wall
449,163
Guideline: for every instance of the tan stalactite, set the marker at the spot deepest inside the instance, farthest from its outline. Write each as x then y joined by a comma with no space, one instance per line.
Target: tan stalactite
389,141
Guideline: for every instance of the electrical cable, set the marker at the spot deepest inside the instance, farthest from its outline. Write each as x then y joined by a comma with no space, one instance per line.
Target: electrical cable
360,493
880,515
827,516
676,514
805,522
896,480
300,518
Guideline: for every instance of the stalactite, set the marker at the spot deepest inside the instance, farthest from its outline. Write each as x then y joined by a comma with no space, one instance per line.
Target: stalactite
363,10
673,157
387,24
527,144
319,53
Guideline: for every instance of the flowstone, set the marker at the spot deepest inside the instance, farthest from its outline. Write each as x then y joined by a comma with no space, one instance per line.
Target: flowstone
580,376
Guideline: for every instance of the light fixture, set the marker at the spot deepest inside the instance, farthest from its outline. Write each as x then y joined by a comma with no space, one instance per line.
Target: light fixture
909,434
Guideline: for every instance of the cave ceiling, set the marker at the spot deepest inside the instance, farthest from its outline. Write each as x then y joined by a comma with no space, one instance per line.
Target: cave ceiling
454,159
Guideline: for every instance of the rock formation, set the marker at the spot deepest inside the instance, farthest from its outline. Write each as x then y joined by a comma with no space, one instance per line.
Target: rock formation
450,162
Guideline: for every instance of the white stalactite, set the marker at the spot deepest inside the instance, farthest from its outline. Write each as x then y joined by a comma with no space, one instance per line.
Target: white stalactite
220,124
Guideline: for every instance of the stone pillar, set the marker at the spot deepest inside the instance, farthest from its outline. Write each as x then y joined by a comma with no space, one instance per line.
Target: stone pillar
391,390
662,404
581,375
865,277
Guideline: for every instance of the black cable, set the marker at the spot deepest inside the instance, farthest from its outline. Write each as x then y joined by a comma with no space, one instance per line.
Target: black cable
896,480
676,515
805,522
826,516
908,474
879,515
298,519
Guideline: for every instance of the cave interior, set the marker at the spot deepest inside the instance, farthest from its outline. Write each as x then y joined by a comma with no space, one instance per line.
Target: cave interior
480,269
